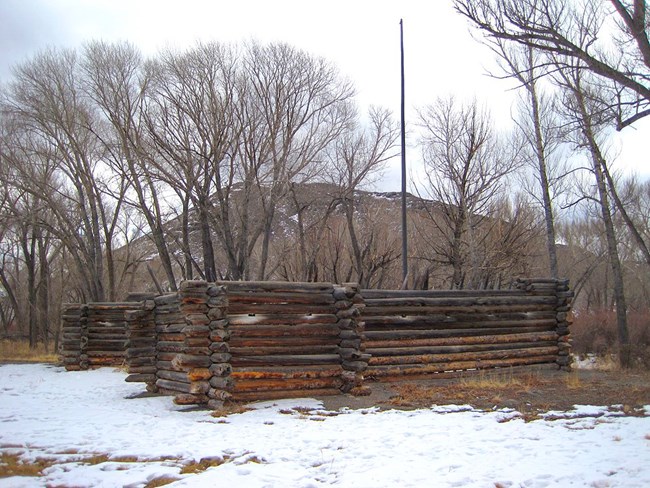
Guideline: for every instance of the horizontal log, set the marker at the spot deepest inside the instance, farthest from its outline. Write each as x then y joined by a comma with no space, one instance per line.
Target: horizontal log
175,386
476,356
190,399
141,378
133,352
179,376
464,340
304,349
199,374
170,328
444,308
112,354
453,302
390,294
243,385
303,372
329,330
141,369
281,319
169,346
187,361
276,286
393,372
460,320
286,360
279,297
170,337
284,341
141,361
279,308
389,335
250,396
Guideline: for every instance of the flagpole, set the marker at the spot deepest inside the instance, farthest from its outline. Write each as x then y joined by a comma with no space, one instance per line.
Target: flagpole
403,140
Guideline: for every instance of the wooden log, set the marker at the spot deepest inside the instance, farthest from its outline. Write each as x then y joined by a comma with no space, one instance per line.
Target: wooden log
221,383
174,386
395,372
331,348
133,352
279,297
190,399
286,360
389,335
142,361
140,378
304,372
112,354
242,385
464,340
275,286
281,319
281,331
175,337
169,346
220,369
250,396
456,321
278,308
187,361
284,341
199,387
479,356
397,294
199,374
444,308
142,369
178,376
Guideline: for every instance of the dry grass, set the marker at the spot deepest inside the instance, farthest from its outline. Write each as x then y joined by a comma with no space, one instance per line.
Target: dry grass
161,481
20,351
13,465
203,464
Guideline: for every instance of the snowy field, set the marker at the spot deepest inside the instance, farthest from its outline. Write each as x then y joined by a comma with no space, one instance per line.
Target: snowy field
69,417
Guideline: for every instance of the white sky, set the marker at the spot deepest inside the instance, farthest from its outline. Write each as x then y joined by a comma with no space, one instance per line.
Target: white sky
361,37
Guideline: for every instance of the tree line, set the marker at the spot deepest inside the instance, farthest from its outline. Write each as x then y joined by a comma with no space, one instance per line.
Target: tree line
250,162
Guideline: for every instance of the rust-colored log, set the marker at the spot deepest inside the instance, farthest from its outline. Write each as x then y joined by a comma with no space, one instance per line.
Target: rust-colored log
458,320
479,356
190,399
303,372
269,384
199,374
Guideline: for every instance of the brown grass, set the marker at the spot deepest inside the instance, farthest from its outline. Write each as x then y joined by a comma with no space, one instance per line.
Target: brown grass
161,481
13,465
20,351
203,464
231,408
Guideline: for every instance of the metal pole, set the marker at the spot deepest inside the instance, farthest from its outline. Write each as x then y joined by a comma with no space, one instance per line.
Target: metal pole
403,140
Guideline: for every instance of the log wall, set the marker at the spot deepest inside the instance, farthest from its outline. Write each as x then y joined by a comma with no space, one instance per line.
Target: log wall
263,340
94,334
421,333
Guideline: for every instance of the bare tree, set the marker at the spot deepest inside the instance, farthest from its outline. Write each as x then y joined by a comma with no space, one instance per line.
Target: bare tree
584,111
608,38
465,164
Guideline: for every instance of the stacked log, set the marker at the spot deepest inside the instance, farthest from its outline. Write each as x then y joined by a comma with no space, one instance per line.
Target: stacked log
284,340
170,322
106,327
564,297
218,336
72,357
419,333
141,344
349,303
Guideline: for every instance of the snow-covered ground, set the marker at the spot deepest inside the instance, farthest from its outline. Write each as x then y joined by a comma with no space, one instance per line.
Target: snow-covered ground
46,412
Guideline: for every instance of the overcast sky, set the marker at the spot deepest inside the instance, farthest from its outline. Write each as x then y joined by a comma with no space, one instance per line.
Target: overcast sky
361,37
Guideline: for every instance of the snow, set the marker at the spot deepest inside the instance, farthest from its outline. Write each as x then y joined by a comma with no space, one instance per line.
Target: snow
46,412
